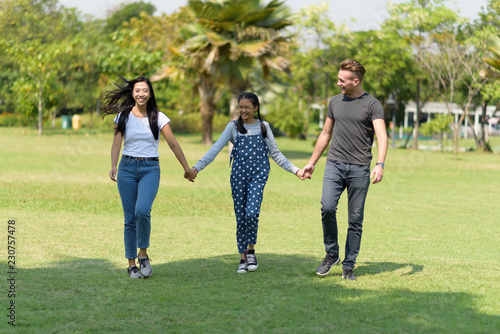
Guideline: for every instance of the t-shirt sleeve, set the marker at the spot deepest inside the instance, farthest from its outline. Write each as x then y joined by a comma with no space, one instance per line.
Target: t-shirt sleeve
162,120
376,110
329,113
117,117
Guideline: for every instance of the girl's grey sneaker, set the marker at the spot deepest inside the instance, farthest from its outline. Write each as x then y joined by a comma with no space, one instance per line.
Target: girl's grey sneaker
243,267
133,272
328,262
145,266
252,262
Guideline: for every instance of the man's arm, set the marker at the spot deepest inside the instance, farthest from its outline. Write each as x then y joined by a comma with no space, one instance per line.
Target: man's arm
321,145
379,127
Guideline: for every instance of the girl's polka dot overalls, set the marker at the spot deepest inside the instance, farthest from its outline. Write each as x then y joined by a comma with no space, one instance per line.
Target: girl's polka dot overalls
249,175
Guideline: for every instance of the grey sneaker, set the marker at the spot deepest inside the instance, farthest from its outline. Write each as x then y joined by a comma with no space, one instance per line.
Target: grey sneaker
348,274
145,266
243,267
133,272
252,262
326,265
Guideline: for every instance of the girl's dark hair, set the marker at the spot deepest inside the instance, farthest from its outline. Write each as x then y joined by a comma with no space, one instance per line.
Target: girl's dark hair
255,101
121,100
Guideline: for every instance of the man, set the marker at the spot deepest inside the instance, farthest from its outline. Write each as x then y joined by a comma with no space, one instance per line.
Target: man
353,118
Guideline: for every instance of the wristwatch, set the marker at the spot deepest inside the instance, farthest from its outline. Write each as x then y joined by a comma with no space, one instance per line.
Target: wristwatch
381,164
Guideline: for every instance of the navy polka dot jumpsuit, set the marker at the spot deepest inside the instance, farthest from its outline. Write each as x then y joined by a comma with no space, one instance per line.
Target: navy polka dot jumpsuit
249,174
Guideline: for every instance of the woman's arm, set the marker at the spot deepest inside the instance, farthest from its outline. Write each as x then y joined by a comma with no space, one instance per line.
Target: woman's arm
115,153
166,131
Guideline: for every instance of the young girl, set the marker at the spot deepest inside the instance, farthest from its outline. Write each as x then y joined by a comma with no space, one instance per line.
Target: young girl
138,125
253,143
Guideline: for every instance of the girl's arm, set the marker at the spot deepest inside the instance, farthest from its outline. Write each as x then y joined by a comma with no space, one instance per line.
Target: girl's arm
166,131
115,153
207,159
278,157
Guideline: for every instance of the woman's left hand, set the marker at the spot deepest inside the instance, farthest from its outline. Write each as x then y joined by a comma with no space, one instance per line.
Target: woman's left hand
190,174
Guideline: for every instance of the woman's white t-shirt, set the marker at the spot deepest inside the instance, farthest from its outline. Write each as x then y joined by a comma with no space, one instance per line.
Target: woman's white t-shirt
139,140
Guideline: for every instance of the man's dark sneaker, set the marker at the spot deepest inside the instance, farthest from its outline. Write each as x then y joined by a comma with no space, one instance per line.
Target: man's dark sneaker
328,262
252,262
348,274
133,272
243,267
145,267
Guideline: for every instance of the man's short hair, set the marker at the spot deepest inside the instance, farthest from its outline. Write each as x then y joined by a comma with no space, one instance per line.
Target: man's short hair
354,67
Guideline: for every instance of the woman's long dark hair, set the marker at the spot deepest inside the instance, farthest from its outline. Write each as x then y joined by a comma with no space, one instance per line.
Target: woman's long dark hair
121,100
255,101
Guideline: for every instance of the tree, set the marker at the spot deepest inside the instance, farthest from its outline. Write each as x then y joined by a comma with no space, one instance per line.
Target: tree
438,126
37,36
418,22
390,66
222,44
126,12
321,46
486,31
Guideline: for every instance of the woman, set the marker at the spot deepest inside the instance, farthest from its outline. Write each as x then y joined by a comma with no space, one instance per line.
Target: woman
138,126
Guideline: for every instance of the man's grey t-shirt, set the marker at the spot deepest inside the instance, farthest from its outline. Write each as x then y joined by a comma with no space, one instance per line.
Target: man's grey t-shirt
353,131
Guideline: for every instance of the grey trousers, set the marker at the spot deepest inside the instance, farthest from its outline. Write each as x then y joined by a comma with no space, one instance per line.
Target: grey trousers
339,176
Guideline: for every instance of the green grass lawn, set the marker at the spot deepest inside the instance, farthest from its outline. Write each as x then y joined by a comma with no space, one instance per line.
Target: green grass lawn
429,260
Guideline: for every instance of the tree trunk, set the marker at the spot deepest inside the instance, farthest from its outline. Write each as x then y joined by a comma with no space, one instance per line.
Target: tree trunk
236,89
456,133
482,133
476,138
207,91
416,121
40,110
206,124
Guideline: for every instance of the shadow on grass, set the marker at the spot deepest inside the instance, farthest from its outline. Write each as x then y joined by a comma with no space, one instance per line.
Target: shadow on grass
374,268
208,296
298,154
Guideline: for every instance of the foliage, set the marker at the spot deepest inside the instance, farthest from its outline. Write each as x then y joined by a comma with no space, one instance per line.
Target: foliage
39,40
284,112
126,12
321,46
203,56
191,122
224,41
438,126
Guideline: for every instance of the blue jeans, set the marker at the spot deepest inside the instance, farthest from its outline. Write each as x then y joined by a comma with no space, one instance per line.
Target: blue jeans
338,177
138,183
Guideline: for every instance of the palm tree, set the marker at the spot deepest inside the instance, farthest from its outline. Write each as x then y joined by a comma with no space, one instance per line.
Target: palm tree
223,43
494,46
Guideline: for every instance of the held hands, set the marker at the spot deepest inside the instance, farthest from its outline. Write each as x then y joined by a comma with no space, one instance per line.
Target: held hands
308,170
190,174
300,174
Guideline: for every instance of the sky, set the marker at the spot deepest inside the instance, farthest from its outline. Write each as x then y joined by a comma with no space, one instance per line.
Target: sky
367,14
